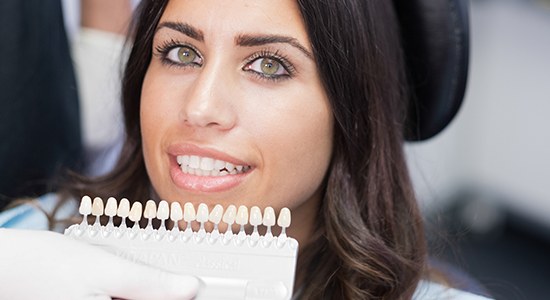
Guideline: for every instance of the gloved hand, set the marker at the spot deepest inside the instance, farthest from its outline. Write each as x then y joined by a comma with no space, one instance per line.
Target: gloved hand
48,265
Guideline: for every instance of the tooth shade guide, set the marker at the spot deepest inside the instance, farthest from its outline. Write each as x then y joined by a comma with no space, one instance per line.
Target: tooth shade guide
202,217
97,210
150,213
251,225
123,211
135,214
163,213
255,220
176,215
229,219
241,221
174,254
111,210
215,218
189,216
111,207
85,209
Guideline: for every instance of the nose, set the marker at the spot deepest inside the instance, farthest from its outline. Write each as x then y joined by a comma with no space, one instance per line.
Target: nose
208,102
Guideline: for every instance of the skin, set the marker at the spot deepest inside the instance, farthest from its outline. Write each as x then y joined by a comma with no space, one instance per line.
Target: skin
106,15
222,104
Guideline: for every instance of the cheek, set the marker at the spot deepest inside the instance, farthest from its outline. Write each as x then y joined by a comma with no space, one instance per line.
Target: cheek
155,116
148,115
312,140
296,145
155,107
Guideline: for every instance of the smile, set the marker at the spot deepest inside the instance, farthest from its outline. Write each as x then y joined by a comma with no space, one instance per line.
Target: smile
207,166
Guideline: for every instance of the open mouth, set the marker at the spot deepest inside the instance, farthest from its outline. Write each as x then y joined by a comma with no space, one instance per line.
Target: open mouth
207,166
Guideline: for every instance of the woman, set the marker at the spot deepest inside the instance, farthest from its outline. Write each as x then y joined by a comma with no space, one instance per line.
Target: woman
303,102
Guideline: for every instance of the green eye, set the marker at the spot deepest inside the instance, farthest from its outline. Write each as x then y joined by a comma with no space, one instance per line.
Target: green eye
186,55
269,66
183,56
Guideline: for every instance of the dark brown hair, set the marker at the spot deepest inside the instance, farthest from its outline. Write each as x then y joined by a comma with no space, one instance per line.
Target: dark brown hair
373,244
370,241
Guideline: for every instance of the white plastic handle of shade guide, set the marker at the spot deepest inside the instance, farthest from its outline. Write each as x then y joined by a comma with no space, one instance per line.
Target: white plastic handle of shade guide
231,267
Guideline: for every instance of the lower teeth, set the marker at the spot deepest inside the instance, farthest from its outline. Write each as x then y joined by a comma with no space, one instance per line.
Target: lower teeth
200,172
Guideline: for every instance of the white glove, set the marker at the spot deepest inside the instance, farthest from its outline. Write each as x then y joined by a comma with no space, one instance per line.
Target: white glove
48,265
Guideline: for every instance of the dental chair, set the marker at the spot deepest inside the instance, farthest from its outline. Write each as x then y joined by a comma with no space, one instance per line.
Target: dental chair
436,43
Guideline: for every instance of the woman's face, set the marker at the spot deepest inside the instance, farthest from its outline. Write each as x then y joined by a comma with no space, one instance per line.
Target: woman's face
233,110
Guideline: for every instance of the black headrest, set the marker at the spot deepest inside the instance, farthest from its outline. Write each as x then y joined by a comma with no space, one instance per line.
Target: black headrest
436,42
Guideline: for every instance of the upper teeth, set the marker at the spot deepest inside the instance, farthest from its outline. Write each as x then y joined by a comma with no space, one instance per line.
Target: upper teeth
207,166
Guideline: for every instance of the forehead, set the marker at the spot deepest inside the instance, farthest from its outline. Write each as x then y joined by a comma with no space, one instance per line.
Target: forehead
232,17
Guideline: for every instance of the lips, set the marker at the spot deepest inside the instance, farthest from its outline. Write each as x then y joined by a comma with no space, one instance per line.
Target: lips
205,170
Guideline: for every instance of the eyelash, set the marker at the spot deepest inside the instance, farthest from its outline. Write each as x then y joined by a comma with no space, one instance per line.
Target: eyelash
276,56
163,50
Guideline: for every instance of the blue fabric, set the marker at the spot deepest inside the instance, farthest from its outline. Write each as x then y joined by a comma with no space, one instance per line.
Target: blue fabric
428,290
28,216
458,278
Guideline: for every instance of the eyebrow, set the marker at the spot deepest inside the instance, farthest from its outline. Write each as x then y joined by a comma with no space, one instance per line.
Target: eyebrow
247,40
184,28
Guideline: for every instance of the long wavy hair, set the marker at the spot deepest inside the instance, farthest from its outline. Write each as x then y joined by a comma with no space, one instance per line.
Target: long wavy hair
369,242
